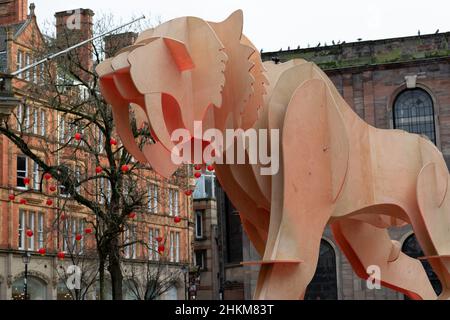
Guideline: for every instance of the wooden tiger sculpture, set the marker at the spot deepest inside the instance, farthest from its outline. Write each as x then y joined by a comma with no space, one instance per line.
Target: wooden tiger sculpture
334,168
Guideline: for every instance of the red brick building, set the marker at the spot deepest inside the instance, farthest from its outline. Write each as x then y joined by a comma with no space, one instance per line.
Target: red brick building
44,128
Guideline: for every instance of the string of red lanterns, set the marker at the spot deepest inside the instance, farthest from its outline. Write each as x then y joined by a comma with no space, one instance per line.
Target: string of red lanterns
124,168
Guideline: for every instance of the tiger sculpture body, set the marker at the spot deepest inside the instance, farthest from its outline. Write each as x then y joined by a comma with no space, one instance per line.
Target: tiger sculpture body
334,168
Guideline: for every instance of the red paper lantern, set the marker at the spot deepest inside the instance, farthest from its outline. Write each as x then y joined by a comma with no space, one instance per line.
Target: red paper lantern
124,168
49,202
177,219
42,251
88,230
61,255
78,136
197,175
11,197
210,167
52,188
47,176
29,233
132,215
161,248
188,192
113,142
98,169
159,239
26,181
78,237
23,201
198,167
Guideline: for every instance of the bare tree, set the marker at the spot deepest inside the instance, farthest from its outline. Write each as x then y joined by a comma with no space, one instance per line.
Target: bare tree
155,275
78,268
72,140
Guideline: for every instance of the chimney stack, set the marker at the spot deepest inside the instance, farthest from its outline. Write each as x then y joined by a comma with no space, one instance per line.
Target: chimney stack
13,11
115,42
72,27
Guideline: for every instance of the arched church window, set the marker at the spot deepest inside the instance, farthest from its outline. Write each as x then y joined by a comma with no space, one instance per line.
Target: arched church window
412,248
323,286
414,112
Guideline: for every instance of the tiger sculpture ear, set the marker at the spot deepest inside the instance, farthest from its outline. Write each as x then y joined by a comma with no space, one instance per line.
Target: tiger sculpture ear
234,23
180,54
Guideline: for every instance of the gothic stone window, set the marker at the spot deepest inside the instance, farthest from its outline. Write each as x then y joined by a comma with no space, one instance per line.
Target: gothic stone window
323,286
412,248
414,112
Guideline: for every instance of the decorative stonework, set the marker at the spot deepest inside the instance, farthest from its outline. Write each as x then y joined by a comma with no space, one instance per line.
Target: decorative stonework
411,81
31,273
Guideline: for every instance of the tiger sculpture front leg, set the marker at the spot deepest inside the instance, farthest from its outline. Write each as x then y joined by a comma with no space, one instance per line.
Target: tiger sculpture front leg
307,200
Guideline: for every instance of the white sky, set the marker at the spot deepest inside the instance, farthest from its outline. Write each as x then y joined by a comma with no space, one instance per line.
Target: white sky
276,24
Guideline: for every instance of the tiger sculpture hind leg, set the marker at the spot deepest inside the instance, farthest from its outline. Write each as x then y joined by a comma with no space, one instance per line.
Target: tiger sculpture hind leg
367,247
294,256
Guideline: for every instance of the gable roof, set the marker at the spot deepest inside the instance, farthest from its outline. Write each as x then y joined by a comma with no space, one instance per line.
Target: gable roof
16,28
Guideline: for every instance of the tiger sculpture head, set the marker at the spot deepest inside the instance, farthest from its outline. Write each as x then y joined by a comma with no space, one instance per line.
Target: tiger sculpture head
183,71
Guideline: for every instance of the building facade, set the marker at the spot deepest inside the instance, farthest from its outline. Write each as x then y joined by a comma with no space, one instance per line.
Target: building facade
206,244
401,83
30,206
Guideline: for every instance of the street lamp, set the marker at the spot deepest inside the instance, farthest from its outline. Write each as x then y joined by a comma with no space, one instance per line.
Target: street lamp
185,271
26,260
